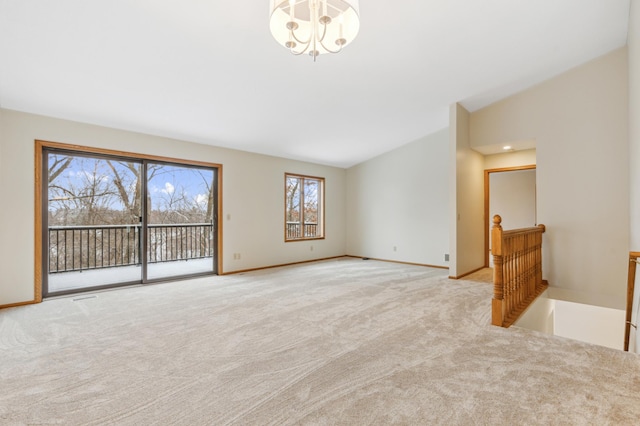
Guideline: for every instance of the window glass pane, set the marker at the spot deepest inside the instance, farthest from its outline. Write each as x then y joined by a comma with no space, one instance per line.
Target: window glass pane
293,199
93,223
180,229
293,213
310,207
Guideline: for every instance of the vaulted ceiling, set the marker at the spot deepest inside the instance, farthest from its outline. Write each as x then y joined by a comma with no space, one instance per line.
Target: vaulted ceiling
209,71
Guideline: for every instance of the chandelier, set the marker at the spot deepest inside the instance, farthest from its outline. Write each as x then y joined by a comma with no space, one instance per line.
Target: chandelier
314,26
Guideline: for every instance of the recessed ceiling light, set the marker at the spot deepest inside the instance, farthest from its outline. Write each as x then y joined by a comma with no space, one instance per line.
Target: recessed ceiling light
506,147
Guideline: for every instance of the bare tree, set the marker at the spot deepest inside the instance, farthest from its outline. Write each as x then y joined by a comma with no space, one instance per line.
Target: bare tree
209,186
57,165
125,182
293,199
86,198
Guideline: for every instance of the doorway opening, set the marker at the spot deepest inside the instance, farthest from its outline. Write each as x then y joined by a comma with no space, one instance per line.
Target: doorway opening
511,193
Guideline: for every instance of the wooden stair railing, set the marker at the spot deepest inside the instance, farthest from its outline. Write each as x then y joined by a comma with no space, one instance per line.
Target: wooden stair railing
634,261
517,271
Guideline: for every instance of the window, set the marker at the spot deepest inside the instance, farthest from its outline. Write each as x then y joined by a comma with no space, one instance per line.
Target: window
304,207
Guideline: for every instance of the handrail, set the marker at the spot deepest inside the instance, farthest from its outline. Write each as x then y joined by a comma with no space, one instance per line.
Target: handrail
122,226
517,271
634,260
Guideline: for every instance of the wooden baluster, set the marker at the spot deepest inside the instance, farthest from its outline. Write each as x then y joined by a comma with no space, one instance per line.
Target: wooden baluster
514,274
518,267
534,253
505,274
539,256
506,267
521,269
538,259
530,247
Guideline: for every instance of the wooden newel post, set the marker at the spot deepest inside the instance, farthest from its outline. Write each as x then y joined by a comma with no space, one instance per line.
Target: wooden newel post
497,303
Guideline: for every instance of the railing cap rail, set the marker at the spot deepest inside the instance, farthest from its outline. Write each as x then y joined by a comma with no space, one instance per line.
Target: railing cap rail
534,229
135,225
497,221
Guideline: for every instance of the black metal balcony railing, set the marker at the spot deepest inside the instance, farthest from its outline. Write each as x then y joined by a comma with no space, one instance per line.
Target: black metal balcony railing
78,248
166,243
294,230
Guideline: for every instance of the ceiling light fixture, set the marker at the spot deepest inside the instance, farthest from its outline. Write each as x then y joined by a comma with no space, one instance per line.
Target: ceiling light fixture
314,26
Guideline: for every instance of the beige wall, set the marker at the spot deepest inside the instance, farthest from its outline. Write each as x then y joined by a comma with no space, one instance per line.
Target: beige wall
510,159
253,198
467,206
634,152
400,200
580,123
634,122
512,195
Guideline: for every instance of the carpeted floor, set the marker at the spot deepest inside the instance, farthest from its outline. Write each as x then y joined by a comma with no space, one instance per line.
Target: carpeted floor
341,342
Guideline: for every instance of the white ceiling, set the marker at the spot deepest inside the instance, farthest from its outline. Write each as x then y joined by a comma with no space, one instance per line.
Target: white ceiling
209,71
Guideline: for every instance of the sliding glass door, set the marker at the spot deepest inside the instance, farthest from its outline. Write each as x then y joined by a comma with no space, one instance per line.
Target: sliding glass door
180,208
111,221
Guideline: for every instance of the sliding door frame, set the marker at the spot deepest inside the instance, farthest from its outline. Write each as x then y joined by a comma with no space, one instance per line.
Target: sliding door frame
40,203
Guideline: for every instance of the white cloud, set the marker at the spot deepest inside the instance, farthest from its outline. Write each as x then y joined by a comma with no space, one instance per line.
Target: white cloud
168,188
201,199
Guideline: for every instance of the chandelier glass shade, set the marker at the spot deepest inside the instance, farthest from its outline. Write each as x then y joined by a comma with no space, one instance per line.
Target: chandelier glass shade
314,27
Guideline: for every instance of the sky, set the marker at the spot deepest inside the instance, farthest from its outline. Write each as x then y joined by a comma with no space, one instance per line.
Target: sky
169,187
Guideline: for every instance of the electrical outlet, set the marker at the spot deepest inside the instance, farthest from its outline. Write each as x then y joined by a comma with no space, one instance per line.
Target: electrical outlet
395,248
236,256
311,248
446,257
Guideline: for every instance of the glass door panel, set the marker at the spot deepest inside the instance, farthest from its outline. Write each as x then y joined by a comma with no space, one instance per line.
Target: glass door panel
180,231
93,228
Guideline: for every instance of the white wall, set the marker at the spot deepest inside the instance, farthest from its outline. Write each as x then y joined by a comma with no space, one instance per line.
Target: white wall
539,316
466,226
586,323
400,199
580,123
253,196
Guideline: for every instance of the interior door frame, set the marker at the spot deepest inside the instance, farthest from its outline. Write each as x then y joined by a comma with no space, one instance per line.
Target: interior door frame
40,204
487,176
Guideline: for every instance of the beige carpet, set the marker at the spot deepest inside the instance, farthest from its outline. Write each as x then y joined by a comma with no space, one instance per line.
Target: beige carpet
343,342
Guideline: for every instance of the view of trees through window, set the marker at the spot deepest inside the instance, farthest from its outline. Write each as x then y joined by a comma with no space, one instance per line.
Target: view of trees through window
106,212
97,191
303,216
